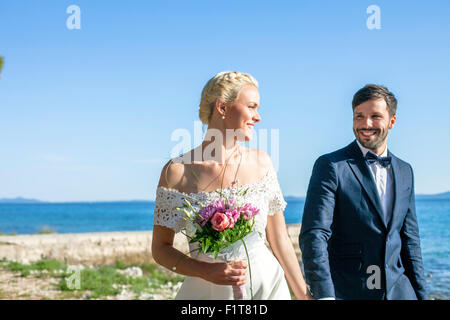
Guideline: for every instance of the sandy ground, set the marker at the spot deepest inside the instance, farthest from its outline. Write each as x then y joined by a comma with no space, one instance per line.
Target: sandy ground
15,287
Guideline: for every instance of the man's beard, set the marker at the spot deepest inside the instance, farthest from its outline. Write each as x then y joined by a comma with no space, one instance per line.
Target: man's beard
372,145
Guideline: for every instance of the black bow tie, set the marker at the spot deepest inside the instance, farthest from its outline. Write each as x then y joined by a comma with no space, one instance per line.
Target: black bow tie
383,161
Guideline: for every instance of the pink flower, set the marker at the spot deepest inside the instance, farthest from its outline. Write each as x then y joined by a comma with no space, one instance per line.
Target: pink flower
222,205
248,211
233,215
220,221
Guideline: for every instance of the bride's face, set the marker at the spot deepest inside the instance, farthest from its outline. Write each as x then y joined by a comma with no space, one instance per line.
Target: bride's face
243,114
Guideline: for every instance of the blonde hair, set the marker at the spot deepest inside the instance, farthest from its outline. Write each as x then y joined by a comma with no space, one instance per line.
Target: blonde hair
225,85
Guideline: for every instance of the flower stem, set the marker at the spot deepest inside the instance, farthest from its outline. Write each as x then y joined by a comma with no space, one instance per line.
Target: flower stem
249,268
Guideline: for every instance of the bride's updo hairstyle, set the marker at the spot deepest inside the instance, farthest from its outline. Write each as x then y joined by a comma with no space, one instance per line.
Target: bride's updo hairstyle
225,85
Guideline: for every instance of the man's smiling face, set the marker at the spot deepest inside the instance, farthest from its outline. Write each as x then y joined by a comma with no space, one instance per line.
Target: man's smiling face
371,123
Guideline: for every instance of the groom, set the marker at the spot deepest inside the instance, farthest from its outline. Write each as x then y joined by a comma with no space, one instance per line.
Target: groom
359,235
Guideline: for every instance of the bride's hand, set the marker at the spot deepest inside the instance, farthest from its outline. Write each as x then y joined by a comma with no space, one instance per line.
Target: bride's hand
227,273
309,296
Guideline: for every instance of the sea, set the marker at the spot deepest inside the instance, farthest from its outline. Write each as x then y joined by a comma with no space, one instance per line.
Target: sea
78,217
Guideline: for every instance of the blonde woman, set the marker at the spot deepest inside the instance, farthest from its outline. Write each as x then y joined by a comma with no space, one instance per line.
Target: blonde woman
229,106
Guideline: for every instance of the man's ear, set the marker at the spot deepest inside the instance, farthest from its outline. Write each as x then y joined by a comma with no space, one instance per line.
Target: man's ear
392,121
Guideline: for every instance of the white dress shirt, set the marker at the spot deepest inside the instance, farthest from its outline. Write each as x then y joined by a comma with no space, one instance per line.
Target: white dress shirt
384,180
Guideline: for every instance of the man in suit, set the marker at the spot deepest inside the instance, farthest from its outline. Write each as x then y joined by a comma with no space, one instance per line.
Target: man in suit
359,235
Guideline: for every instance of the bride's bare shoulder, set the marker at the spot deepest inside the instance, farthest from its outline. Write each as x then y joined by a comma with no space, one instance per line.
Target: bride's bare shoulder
260,159
172,174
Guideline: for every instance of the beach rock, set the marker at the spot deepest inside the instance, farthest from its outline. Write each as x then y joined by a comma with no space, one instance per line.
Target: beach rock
146,296
132,272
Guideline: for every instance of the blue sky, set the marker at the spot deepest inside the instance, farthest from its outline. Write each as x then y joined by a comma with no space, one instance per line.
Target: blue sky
88,114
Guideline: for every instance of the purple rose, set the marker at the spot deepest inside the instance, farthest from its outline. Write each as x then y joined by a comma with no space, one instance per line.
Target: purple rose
206,213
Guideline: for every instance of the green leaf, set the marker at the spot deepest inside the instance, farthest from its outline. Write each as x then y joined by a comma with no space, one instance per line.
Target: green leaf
187,213
203,247
220,193
208,244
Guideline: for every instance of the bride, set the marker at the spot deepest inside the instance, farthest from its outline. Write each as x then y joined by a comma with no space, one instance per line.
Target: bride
229,106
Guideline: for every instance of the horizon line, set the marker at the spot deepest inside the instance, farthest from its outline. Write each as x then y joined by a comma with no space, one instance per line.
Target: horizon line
153,200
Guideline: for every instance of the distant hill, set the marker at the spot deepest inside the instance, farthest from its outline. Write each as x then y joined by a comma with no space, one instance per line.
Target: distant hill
294,198
438,196
19,200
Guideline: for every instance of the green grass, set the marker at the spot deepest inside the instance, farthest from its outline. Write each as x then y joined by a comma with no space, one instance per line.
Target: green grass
51,265
98,282
46,230
8,234
160,274
120,265
42,230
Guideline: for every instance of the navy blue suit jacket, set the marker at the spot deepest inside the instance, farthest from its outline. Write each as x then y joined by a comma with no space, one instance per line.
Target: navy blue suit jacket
346,242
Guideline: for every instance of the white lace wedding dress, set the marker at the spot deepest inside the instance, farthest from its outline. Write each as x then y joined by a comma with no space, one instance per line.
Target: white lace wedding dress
268,281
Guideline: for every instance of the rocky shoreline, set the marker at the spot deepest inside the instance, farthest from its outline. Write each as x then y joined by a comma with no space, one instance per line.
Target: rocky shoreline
94,249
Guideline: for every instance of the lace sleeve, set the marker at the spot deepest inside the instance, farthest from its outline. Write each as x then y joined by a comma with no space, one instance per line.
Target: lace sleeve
166,213
276,199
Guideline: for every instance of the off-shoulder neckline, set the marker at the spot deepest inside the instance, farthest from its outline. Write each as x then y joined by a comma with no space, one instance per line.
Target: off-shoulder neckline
244,186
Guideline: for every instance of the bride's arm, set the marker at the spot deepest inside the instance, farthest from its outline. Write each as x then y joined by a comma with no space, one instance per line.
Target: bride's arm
232,273
283,250
166,255
163,251
278,237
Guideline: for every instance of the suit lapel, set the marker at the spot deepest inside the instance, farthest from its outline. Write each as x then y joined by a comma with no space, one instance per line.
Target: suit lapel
362,172
396,179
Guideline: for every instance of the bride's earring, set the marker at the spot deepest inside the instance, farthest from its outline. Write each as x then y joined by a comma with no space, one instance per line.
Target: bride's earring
223,110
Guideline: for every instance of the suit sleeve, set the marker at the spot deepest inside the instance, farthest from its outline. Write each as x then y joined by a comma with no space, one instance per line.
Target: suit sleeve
411,253
316,228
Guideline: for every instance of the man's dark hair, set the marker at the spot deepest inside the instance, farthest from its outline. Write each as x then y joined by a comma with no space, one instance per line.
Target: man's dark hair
372,91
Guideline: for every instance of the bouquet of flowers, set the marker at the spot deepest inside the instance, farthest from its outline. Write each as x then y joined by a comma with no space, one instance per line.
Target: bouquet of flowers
219,226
